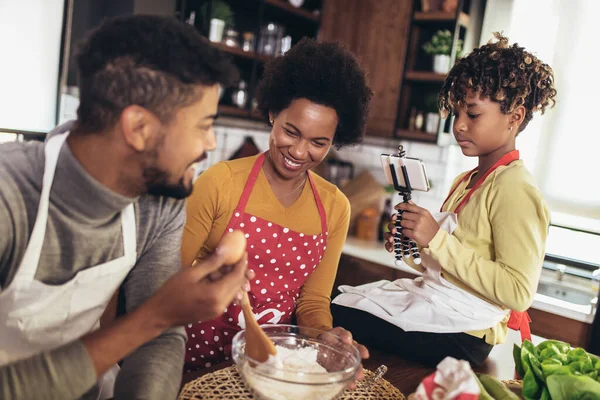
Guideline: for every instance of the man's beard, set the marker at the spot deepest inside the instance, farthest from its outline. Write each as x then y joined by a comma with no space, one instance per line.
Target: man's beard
157,180
157,184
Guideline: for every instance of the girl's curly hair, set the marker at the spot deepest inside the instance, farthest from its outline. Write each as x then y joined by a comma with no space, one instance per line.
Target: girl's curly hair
507,74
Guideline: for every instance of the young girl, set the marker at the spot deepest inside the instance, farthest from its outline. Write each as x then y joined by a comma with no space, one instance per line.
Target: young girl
487,258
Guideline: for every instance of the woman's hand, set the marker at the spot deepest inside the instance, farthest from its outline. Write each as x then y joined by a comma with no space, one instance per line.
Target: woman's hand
417,224
345,337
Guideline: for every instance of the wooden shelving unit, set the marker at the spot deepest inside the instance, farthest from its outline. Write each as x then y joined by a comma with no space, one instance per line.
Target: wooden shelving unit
424,76
440,16
250,16
236,51
284,5
233,111
416,135
256,115
420,84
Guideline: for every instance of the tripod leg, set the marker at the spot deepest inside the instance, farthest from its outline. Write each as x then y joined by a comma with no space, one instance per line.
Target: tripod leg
398,247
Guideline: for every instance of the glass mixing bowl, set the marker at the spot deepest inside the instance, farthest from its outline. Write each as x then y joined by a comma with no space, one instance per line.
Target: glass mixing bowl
310,364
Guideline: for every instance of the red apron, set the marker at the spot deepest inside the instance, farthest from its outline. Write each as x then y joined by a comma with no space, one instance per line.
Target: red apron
518,321
282,261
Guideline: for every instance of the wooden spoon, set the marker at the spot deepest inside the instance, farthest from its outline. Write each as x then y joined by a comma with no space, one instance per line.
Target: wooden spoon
258,344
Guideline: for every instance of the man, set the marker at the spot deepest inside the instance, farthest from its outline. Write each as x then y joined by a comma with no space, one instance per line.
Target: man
98,208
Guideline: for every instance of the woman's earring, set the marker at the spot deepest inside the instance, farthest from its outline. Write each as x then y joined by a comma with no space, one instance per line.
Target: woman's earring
510,128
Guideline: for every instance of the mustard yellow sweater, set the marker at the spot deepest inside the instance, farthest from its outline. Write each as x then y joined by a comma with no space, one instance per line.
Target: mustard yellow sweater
497,250
217,192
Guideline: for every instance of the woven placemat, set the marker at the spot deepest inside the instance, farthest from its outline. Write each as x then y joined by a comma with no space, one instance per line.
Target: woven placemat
513,382
227,383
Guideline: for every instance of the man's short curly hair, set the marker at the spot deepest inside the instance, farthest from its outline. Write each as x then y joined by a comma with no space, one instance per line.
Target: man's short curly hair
324,73
507,74
151,61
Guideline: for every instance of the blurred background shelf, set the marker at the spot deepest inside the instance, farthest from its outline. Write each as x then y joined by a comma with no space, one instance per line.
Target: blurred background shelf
236,51
416,135
441,16
424,76
284,5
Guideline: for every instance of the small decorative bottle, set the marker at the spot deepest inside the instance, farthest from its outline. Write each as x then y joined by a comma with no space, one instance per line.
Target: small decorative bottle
240,96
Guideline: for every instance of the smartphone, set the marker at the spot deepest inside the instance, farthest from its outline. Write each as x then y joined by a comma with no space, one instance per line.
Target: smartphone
415,169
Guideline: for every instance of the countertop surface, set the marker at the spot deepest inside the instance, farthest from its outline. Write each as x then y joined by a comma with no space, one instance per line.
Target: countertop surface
375,253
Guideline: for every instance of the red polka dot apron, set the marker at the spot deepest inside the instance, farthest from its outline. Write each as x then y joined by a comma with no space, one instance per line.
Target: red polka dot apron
282,260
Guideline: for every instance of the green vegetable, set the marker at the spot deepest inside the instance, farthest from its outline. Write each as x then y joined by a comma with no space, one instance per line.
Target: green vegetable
576,355
536,367
526,349
483,394
518,363
554,371
496,389
545,394
570,387
531,388
562,346
552,361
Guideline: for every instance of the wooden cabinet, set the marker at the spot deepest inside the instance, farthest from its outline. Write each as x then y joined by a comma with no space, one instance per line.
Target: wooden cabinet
418,99
377,31
554,326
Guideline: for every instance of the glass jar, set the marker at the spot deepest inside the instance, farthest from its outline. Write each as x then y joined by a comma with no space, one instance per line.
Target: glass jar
231,38
270,39
248,44
239,97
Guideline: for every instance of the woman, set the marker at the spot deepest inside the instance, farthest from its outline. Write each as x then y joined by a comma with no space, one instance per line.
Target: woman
482,256
295,222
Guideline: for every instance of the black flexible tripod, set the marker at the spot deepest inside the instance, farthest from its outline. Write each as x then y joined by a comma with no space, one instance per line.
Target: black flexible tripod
403,246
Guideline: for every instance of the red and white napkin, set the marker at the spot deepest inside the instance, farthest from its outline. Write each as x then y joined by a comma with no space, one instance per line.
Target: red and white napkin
453,380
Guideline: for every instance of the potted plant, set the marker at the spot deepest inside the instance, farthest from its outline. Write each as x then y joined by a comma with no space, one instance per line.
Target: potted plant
440,47
220,17
432,118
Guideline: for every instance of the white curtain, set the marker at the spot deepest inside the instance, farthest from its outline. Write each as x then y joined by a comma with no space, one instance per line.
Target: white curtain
30,33
562,147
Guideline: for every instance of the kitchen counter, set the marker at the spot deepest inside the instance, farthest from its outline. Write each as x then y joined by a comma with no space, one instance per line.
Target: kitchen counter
406,375
375,253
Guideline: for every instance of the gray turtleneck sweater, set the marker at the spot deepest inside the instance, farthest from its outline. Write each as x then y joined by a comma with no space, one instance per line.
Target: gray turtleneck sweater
84,229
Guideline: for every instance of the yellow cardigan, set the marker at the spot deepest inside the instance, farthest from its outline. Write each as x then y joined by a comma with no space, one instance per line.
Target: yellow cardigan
217,192
497,250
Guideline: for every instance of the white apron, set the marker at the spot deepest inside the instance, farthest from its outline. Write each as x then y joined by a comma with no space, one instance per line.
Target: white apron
425,304
42,317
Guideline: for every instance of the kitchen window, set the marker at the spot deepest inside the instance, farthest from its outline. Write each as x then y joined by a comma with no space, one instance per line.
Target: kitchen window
573,249
561,147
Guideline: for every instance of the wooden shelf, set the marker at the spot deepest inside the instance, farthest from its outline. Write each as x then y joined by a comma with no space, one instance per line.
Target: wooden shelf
424,76
284,5
233,111
237,51
256,115
441,16
416,135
